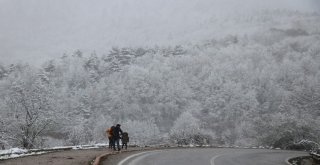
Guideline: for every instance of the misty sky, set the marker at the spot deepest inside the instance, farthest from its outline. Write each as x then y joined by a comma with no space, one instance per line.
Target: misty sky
34,30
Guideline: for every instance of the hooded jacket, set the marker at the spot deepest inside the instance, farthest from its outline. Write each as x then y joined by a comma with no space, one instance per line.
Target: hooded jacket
116,131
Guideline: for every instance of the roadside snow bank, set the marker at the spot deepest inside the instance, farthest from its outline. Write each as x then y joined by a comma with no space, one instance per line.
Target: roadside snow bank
18,152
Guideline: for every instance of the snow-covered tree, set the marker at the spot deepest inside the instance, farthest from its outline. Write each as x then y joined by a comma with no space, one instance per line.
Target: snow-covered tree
29,108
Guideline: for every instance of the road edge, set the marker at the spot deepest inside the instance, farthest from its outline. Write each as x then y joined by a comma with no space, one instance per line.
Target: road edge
102,157
287,160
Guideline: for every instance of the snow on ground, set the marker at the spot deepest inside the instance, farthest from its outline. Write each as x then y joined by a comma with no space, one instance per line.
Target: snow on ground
13,150
18,152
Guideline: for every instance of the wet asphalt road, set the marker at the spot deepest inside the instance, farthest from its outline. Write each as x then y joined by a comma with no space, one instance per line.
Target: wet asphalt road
208,156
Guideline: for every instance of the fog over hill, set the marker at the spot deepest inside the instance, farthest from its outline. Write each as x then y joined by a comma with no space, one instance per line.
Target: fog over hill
33,31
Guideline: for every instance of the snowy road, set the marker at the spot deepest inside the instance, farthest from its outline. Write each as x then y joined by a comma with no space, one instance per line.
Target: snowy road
210,156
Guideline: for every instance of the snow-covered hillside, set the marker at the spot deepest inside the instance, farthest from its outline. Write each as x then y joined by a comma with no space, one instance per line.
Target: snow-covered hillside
244,80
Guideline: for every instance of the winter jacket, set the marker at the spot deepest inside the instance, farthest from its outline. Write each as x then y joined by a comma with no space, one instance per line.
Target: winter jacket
109,132
116,131
125,137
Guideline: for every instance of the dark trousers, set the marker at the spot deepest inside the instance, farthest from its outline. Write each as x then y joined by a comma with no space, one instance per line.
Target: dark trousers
110,142
124,144
116,141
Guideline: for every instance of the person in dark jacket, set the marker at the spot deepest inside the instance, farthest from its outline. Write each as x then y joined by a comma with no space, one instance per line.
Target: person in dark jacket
116,132
125,139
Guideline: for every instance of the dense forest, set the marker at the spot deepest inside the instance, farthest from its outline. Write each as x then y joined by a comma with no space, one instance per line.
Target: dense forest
257,88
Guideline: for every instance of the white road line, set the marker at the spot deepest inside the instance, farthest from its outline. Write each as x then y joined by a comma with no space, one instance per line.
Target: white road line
213,158
136,160
132,156
287,160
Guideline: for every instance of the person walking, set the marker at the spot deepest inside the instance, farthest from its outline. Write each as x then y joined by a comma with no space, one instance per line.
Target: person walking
116,132
109,135
125,139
